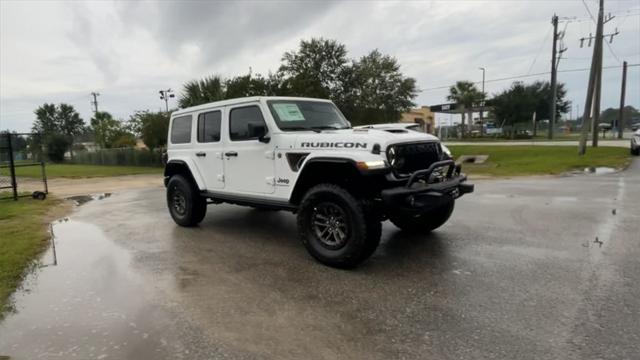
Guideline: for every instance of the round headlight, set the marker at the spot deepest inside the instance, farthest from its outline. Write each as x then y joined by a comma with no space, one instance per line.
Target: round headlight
446,150
392,156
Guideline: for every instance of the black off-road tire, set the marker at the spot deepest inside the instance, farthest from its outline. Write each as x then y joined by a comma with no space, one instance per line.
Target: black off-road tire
635,152
361,227
186,206
425,222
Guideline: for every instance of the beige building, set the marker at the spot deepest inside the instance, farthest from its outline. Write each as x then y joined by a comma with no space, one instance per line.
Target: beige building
422,116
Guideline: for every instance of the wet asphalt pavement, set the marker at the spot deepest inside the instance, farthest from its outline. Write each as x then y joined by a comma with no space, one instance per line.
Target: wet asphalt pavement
536,268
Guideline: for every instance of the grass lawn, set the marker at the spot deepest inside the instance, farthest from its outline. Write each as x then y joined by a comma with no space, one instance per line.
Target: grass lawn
539,160
85,171
23,235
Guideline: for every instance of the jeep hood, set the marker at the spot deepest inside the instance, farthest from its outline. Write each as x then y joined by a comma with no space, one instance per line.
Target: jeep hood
360,139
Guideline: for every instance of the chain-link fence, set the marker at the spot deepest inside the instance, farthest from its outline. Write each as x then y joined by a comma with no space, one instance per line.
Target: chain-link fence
122,157
22,169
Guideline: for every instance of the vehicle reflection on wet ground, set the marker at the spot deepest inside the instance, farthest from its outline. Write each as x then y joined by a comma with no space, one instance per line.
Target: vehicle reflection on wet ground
526,268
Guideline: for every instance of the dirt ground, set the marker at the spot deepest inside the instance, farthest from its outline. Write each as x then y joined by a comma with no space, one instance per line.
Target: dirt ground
62,187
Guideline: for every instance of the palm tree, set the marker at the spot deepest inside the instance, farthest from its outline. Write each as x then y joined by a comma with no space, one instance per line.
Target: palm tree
465,94
197,92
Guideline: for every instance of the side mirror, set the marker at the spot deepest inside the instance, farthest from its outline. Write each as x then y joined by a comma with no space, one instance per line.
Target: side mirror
264,138
259,131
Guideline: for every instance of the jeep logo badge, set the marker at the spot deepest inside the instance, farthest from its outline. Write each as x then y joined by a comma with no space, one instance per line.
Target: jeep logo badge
283,181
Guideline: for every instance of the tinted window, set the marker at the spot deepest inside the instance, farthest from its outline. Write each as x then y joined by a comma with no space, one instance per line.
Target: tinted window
209,126
246,123
181,130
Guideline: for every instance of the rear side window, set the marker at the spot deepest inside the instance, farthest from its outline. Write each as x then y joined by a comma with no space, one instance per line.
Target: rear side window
181,130
209,126
246,123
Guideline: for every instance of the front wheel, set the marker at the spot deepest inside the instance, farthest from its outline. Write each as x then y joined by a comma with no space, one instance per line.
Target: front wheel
186,206
336,228
424,222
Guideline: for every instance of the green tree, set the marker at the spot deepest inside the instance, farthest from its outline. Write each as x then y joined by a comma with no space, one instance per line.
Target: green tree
198,92
315,69
375,91
124,140
57,145
465,94
46,120
611,115
152,127
107,129
517,104
70,122
248,85
62,119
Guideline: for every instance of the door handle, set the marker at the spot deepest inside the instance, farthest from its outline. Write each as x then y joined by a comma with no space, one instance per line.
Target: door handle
230,153
201,154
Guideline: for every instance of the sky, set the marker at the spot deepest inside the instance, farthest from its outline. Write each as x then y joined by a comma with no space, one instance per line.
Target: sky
61,51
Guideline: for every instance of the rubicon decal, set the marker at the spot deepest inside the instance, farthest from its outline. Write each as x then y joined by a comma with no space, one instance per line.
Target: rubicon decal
337,145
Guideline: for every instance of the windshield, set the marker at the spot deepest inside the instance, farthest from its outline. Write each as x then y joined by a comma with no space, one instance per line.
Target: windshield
294,115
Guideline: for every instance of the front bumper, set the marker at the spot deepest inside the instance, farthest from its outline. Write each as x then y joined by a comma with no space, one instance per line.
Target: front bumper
420,194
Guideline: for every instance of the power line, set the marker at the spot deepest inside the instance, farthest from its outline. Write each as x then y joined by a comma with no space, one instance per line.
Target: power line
528,75
588,10
594,20
544,40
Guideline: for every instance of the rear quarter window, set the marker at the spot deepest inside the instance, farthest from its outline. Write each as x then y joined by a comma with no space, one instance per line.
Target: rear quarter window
181,130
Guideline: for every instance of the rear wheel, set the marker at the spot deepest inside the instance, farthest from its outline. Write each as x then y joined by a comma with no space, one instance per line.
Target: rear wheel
186,206
336,228
424,222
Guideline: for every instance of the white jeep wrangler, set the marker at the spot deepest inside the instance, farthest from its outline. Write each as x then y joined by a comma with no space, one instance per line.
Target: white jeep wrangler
301,155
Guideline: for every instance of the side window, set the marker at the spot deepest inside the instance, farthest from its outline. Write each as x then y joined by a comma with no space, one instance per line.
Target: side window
181,130
209,126
246,123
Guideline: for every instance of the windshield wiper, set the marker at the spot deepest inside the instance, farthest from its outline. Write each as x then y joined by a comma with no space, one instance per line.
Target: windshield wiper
328,127
300,128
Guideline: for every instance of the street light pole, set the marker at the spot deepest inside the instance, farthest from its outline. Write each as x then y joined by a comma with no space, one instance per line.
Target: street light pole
482,104
165,95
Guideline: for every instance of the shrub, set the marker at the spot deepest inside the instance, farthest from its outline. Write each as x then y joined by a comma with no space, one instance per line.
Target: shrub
57,146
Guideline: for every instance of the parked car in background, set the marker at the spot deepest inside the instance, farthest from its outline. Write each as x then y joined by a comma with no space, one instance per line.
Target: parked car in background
635,143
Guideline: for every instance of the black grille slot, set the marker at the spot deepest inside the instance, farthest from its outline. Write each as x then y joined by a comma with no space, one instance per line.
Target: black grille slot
408,158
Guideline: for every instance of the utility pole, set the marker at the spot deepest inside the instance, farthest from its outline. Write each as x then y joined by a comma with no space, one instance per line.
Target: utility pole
556,54
592,102
95,101
482,104
586,117
552,114
165,95
597,90
622,93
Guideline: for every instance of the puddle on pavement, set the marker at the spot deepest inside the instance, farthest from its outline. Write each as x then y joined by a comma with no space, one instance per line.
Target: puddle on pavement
602,170
83,199
91,305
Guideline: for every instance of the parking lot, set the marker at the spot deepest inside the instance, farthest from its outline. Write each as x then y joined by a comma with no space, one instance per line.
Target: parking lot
527,268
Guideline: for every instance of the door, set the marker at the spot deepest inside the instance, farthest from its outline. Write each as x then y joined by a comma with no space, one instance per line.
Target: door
208,149
249,164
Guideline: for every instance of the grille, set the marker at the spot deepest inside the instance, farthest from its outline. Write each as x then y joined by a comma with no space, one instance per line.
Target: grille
407,158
